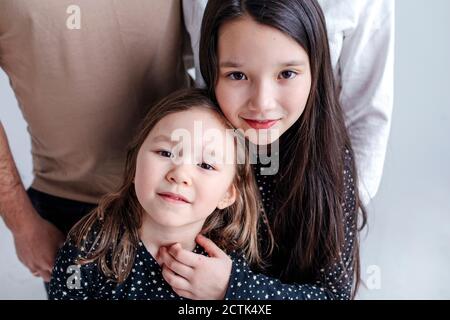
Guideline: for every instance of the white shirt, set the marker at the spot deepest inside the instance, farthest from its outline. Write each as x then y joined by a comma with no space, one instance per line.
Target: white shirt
361,36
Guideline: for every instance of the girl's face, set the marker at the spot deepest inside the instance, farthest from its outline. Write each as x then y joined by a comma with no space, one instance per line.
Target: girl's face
264,79
181,182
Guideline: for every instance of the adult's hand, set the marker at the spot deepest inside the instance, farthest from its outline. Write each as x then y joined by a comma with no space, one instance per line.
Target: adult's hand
36,240
37,244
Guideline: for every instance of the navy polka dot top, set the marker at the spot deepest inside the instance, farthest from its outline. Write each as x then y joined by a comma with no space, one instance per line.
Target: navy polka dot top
74,282
71,281
334,283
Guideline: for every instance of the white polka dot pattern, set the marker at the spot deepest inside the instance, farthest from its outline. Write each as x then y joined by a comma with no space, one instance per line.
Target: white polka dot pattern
335,282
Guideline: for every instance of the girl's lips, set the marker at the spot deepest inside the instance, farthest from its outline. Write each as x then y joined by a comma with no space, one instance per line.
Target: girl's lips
261,124
172,197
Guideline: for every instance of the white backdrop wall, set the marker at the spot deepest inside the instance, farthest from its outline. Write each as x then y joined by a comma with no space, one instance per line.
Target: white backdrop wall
406,251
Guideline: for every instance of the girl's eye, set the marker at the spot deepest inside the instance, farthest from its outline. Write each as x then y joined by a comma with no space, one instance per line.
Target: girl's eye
237,76
165,154
288,74
206,166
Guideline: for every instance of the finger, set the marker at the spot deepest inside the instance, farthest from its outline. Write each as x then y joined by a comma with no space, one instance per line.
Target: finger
46,268
60,245
36,270
184,294
46,276
36,273
185,257
158,257
48,264
33,268
163,256
174,280
45,273
177,267
210,247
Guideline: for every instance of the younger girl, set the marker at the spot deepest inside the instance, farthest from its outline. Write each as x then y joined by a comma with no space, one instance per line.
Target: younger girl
267,64
171,192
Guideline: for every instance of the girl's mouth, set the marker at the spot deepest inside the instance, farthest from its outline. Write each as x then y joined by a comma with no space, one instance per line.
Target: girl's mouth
172,197
261,124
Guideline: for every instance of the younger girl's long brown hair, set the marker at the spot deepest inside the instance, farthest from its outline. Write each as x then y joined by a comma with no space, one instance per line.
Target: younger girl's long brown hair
109,235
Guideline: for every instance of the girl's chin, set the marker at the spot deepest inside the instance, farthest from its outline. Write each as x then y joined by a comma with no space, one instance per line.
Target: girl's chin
262,137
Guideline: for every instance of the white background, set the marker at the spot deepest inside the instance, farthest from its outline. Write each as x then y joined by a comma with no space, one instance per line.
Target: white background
406,253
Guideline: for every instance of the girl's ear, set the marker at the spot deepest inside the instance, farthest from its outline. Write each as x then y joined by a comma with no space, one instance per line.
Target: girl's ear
228,199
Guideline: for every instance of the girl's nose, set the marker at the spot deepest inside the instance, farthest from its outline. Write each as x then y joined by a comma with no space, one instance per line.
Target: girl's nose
263,96
179,175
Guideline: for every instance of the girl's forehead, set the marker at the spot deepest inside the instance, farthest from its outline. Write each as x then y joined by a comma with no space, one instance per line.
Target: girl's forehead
195,132
191,119
244,40
197,124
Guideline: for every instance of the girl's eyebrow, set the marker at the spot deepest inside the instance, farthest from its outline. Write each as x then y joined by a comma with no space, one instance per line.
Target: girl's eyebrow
293,63
163,138
230,64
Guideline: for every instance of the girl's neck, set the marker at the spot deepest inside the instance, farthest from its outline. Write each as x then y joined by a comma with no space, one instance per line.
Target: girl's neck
154,235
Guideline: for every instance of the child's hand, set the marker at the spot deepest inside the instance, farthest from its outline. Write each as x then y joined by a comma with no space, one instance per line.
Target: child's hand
195,276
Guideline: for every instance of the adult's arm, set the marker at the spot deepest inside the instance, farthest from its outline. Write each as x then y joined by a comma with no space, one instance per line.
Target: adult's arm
193,14
366,72
35,239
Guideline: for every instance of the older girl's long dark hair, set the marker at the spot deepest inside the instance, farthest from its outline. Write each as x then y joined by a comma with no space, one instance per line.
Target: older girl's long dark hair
109,235
309,224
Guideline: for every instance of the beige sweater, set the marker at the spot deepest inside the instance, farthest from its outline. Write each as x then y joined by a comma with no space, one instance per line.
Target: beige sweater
84,76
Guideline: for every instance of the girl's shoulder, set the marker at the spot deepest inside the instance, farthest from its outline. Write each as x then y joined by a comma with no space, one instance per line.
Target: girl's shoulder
85,236
73,275
77,247
349,168
348,158
70,256
72,279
